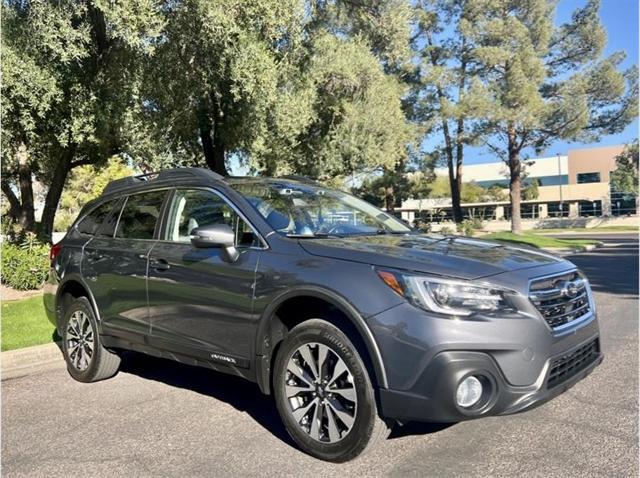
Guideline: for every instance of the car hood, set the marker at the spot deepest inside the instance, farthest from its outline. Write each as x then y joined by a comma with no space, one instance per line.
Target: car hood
451,256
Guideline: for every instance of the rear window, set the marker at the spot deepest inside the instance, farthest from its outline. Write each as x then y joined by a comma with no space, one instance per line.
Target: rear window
140,215
92,221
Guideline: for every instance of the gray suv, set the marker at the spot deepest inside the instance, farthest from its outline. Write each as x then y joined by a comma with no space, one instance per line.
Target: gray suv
350,318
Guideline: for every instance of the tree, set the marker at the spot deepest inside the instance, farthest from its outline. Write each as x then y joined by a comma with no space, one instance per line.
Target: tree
530,190
70,70
444,89
625,178
391,188
496,193
84,184
216,78
282,91
472,192
542,83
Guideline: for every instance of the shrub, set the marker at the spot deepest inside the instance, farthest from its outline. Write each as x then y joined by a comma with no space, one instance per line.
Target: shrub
445,231
24,268
423,226
469,226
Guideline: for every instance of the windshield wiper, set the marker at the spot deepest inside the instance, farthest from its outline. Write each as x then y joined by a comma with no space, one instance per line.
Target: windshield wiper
387,231
315,235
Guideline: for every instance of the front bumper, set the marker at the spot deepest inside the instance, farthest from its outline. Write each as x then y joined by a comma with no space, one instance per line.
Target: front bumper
448,368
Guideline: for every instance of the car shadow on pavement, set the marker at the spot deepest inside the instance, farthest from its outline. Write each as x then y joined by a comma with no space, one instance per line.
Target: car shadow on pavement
418,428
241,394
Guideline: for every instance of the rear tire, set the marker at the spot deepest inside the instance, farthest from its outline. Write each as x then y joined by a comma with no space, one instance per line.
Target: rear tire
87,360
324,394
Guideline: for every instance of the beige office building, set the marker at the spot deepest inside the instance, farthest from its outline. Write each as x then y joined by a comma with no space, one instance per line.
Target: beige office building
573,185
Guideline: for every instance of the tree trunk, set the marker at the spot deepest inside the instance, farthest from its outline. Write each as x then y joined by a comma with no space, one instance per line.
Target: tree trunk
455,175
454,184
455,198
25,182
389,199
211,136
218,152
53,195
455,180
515,183
14,202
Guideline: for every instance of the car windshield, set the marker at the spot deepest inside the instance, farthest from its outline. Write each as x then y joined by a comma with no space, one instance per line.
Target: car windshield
309,210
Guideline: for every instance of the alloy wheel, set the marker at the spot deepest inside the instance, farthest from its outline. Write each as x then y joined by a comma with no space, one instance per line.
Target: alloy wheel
80,340
321,392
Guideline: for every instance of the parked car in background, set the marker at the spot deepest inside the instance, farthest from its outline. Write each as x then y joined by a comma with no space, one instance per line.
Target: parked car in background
350,318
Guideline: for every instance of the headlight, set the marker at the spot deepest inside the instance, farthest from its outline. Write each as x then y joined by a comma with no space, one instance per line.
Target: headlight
446,296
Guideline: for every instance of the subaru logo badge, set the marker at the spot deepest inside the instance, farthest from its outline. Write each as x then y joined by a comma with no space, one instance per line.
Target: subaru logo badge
570,289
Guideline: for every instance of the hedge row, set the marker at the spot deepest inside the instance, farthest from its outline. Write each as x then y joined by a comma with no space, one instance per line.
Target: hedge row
24,268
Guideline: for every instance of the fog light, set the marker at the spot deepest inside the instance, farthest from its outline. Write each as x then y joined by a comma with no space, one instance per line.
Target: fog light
469,392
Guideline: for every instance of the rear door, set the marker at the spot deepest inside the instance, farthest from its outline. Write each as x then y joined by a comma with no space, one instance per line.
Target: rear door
200,304
115,265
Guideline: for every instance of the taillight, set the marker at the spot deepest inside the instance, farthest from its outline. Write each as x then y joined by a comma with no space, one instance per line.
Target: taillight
55,250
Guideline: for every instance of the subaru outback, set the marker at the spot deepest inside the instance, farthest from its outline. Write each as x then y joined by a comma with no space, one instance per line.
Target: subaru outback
351,319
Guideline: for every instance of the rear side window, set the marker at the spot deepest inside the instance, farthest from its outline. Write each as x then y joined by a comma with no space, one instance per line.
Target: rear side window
92,221
140,215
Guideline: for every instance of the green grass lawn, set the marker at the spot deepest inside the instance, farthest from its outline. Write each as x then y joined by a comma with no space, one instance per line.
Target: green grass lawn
25,323
584,229
537,240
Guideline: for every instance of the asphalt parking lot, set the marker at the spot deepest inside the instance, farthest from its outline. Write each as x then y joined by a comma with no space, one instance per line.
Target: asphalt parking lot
157,418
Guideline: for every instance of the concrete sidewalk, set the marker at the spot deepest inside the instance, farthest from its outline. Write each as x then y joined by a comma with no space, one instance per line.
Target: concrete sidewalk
21,362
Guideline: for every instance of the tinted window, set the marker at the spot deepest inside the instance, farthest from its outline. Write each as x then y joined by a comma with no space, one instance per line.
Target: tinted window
139,216
191,209
108,227
588,178
92,221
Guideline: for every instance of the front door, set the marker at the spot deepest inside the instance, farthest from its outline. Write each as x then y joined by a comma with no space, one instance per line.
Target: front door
199,304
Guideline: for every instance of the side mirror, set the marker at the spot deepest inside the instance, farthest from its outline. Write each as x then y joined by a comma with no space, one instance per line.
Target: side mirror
219,236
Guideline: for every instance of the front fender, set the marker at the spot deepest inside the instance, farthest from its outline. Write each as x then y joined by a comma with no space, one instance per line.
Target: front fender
271,332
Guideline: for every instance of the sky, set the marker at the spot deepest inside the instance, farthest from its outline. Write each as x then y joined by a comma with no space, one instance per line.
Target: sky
620,20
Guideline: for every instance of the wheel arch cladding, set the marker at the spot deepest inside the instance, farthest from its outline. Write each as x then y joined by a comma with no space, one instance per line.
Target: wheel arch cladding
295,307
75,287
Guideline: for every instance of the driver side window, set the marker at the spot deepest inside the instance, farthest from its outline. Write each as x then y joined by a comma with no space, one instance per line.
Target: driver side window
195,208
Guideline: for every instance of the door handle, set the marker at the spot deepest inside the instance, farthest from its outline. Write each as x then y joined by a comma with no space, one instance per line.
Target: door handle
159,264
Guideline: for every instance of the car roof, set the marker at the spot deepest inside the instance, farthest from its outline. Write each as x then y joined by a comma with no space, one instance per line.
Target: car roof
189,177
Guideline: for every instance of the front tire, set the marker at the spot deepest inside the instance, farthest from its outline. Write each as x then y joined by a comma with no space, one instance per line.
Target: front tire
87,360
324,394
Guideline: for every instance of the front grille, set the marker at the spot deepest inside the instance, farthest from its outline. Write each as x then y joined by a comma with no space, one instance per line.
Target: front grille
561,299
567,366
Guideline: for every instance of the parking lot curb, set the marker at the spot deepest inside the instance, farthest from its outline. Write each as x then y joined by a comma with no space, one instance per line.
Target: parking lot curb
28,360
567,251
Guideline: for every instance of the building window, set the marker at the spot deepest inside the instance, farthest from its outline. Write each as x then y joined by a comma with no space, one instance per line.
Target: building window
588,178
556,209
590,208
553,180
622,203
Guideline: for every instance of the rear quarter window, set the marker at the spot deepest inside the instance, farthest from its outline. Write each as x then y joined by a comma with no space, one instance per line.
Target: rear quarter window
90,224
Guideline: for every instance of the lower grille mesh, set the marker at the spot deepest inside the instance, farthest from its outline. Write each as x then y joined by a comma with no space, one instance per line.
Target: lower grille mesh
565,367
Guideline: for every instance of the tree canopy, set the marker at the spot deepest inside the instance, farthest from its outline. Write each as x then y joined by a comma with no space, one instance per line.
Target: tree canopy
71,75
625,177
325,88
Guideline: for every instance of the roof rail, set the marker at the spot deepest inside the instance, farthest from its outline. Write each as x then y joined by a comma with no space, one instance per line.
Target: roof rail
167,174
297,177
